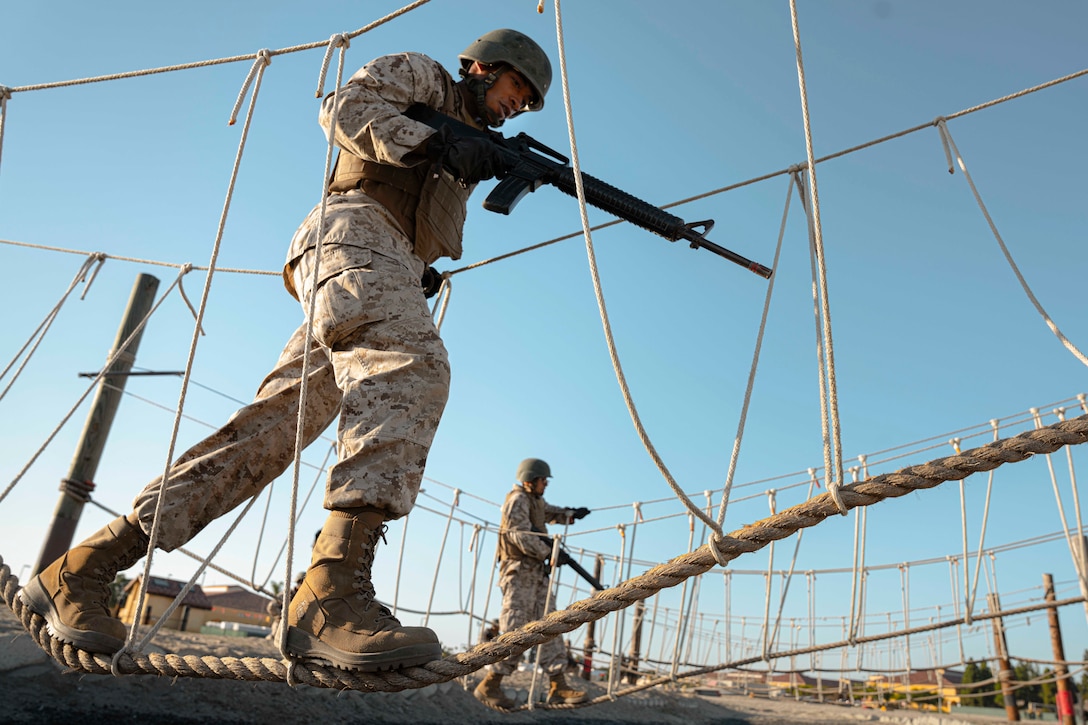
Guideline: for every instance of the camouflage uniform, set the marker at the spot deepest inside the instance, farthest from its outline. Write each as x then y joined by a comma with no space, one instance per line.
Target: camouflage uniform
523,546
376,357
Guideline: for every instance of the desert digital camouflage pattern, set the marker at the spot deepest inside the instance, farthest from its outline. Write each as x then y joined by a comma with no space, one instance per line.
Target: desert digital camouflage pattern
376,357
523,577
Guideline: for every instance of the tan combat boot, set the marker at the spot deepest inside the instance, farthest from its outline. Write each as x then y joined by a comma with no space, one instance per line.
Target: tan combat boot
490,693
560,692
334,617
73,593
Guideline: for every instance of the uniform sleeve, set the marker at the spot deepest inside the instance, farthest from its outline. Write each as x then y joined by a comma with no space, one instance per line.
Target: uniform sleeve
518,531
558,515
369,108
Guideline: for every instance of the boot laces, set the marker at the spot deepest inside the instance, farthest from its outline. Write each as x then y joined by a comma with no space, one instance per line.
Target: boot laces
363,582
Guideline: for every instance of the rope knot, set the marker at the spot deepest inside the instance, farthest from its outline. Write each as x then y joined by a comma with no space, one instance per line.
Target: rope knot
5,93
836,496
339,40
717,548
264,55
797,168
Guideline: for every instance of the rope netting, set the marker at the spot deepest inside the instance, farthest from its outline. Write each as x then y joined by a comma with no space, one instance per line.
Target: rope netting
723,548
742,541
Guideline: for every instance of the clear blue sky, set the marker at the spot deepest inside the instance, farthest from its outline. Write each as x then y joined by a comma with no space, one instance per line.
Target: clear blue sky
932,331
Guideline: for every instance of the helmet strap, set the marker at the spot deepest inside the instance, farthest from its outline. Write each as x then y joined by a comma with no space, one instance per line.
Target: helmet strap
478,87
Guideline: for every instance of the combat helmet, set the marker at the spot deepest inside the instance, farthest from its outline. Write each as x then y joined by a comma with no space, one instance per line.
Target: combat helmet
533,468
516,50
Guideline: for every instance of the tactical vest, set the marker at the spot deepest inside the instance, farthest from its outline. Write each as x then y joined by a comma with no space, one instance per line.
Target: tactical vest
536,522
430,209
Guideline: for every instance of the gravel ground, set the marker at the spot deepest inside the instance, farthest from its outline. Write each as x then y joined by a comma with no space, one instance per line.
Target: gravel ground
36,689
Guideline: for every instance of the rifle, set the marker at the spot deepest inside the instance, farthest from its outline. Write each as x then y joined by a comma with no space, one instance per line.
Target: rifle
527,170
568,560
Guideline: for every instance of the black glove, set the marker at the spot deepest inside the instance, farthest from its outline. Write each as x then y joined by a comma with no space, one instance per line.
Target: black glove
470,160
431,282
579,513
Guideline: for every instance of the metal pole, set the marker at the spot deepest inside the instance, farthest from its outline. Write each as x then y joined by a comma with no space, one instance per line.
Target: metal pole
636,642
1061,672
1004,674
95,431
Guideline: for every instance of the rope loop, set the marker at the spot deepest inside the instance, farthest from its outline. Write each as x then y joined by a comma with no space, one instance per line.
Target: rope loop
186,269
261,60
942,129
115,663
336,40
717,548
833,489
93,265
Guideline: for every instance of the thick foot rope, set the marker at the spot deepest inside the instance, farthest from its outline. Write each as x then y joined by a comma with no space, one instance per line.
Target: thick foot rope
748,539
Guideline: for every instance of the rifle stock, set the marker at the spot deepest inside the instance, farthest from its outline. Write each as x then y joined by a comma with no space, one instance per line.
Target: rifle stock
530,164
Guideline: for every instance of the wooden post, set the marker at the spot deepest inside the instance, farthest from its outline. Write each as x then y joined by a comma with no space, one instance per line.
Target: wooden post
97,428
1061,672
591,644
1004,673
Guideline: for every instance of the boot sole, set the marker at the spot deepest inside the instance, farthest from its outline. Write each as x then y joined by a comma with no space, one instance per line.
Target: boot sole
502,705
38,601
305,646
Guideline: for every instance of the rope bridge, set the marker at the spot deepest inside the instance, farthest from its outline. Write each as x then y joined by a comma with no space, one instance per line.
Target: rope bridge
745,540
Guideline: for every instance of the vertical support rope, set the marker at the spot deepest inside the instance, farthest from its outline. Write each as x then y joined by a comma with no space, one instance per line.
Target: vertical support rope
36,337
680,619
810,581
5,94
307,348
548,601
727,596
121,349
256,74
400,564
830,407
441,551
606,324
1075,546
946,140
283,546
767,635
475,547
793,565
904,583
1079,563
614,663
858,564
735,454
952,564
621,616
